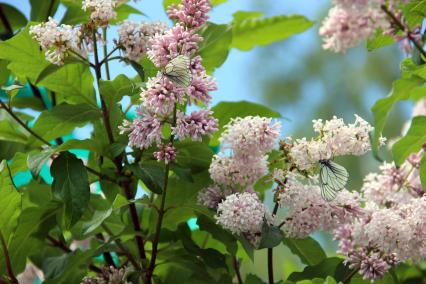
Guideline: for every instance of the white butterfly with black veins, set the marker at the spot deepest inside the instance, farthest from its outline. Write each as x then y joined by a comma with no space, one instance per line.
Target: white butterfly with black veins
333,178
177,71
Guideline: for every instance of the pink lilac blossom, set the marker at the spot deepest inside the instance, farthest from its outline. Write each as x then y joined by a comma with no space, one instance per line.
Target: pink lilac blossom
350,22
166,153
196,125
134,37
241,213
335,138
307,212
251,136
101,11
234,172
143,131
160,95
191,13
109,275
213,195
56,40
174,42
200,88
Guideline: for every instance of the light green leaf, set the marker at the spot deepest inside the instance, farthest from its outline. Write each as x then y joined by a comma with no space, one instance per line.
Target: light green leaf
62,119
41,10
215,46
19,163
36,161
24,54
249,32
224,111
10,202
412,142
98,218
123,11
87,144
10,132
74,14
71,186
401,89
423,172
14,16
379,40
113,91
307,249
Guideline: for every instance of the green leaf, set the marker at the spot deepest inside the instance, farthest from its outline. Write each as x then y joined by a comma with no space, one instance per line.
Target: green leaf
97,219
379,40
19,163
87,144
224,111
10,132
63,118
123,11
214,48
10,202
401,89
41,10
74,14
249,32
253,279
73,81
70,185
14,16
423,172
322,270
307,249
151,174
167,3
113,91
24,54
271,236
217,2
36,162
194,155
207,224
412,142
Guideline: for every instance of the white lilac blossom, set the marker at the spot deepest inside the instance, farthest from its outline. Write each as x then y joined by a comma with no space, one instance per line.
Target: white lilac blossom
166,153
143,131
135,37
56,40
350,22
241,213
307,211
232,171
101,11
192,13
335,138
251,136
196,125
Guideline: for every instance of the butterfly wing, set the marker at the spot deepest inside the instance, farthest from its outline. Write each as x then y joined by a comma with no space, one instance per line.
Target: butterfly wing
333,178
177,71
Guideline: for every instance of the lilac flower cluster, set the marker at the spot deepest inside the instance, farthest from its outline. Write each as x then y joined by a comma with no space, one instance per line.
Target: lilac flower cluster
161,96
101,11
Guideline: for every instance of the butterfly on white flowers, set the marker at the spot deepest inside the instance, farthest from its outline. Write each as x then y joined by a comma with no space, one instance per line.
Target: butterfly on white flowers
177,71
333,178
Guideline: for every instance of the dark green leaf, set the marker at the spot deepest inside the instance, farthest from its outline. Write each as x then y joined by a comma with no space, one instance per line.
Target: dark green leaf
151,174
307,249
71,186
123,11
249,32
215,46
253,279
182,173
74,14
114,91
62,119
248,248
271,236
41,10
194,155
15,18
224,111
10,132
412,142
322,270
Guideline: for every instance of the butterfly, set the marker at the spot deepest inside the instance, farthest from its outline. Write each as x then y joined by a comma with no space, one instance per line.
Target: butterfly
333,178
177,71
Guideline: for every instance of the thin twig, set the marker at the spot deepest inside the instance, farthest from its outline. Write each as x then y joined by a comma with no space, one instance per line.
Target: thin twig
237,269
107,57
85,60
49,10
104,31
270,266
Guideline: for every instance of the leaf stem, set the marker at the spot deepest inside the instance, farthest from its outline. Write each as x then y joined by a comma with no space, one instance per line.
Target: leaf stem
161,212
237,269
104,31
401,26
7,260
107,56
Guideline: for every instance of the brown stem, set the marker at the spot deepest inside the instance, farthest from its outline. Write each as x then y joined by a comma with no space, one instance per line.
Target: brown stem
237,269
161,212
270,266
50,10
401,26
107,256
7,260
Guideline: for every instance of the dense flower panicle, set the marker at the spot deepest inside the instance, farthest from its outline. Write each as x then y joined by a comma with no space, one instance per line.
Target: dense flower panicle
335,138
160,95
241,213
213,195
143,131
136,36
166,153
102,11
55,39
174,42
308,212
191,13
350,22
251,136
196,125
200,88
231,171
109,275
